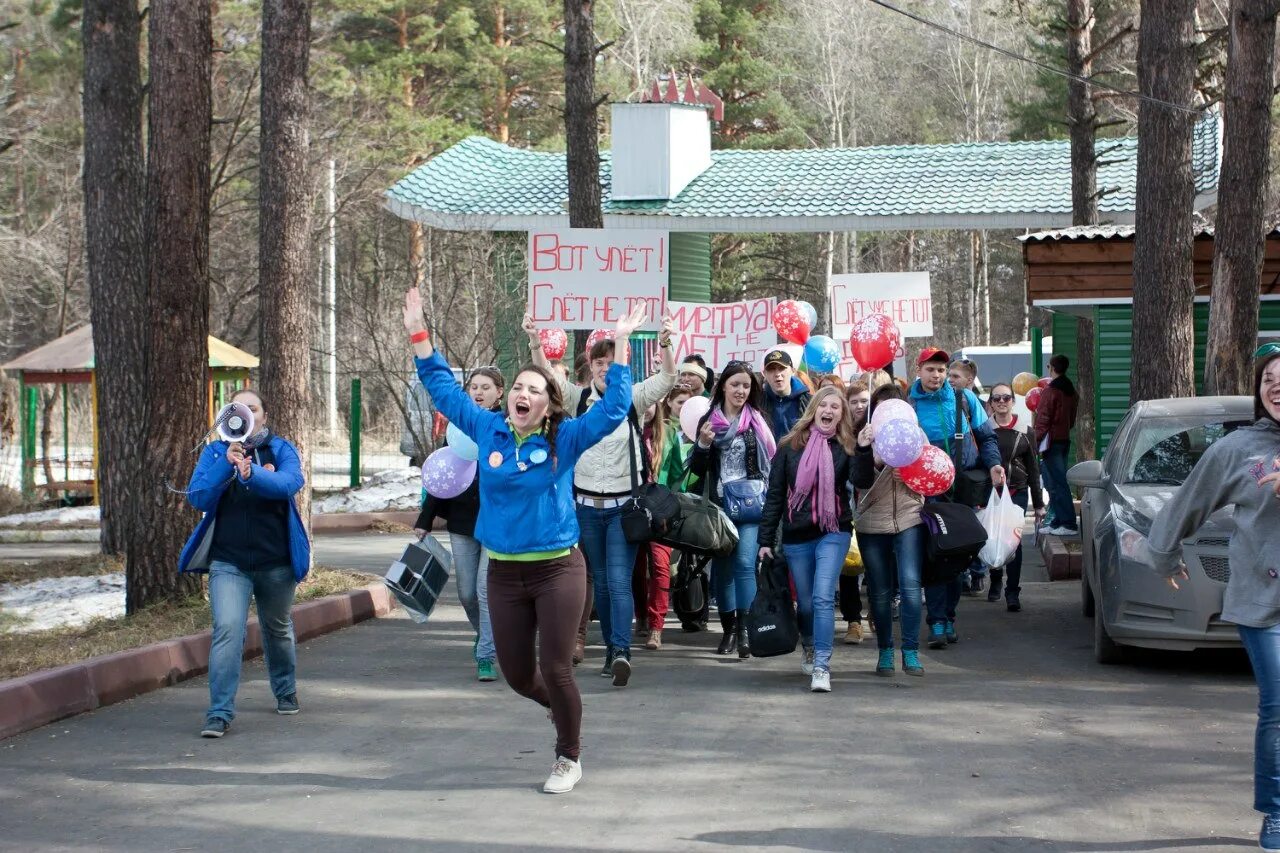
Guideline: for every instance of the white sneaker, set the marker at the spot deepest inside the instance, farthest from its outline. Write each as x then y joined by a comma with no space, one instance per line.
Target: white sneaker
821,681
807,663
564,775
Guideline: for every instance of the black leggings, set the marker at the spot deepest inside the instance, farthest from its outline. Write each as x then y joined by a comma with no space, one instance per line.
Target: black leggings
541,602
851,598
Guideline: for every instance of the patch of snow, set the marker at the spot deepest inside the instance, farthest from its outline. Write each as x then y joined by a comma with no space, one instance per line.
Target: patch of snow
80,516
396,490
63,602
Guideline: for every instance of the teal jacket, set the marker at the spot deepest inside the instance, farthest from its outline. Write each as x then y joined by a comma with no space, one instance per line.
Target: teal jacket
936,411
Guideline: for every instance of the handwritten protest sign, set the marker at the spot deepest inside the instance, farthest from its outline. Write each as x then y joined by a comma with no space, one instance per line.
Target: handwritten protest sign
724,332
584,278
904,296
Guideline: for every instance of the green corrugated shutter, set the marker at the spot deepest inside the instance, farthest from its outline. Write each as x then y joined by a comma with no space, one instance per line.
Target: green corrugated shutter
690,272
1065,342
1113,357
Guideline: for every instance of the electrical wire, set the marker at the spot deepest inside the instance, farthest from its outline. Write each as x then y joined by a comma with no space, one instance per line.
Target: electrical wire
1037,63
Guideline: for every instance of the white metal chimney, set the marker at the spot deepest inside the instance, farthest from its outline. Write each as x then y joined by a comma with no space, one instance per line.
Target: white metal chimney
662,145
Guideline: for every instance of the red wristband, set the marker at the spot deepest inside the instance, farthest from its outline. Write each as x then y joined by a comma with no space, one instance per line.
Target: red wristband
419,337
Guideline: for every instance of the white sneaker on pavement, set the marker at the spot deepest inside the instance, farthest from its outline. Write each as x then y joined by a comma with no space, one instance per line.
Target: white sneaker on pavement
564,775
821,681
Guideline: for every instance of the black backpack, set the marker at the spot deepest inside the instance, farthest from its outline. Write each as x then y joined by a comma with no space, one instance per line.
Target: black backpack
953,538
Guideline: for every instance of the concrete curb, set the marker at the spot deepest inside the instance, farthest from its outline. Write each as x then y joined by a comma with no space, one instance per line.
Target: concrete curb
1061,558
33,700
23,535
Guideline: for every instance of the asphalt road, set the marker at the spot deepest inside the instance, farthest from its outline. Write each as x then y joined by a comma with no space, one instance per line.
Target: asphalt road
1014,740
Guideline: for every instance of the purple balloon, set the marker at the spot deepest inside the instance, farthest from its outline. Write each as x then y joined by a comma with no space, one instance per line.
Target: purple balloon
445,474
899,443
892,410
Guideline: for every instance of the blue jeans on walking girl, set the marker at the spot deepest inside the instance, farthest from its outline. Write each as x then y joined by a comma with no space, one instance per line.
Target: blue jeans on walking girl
611,560
815,568
1263,646
734,576
230,590
471,573
886,555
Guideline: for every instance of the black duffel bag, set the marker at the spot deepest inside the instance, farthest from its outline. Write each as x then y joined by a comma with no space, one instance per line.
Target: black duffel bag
771,621
953,537
701,527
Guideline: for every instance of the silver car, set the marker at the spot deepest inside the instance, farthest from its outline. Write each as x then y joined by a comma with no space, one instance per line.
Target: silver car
1153,450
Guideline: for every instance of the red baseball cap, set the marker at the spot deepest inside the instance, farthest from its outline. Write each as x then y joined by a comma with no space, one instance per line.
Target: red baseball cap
933,354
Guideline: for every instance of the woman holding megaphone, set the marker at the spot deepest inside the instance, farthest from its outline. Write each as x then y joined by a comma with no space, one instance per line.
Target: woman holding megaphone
527,521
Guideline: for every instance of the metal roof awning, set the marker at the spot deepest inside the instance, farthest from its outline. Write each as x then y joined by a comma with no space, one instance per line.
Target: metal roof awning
73,353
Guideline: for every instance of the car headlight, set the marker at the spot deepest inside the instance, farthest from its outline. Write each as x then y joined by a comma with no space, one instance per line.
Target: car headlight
1132,543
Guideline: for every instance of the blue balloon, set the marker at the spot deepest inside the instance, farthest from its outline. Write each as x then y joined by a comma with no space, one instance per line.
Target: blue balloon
461,444
821,354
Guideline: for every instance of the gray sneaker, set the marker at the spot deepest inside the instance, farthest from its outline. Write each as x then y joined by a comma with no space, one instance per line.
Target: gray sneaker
288,705
215,727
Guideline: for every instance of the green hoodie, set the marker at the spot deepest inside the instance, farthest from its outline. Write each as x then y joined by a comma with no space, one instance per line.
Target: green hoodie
1228,475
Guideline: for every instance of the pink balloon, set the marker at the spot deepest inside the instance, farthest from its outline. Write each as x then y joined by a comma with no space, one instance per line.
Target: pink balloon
892,410
931,474
597,336
791,322
554,343
691,412
445,474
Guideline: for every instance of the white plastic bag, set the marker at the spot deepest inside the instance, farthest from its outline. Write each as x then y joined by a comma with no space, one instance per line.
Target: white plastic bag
1003,520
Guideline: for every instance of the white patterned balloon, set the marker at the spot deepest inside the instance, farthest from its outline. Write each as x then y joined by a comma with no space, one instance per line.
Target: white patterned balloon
892,410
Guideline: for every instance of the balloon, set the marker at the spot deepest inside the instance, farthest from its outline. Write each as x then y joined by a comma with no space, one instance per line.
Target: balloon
445,474
597,336
810,313
1033,398
690,413
790,321
1023,382
461,443
931,474
875,340
1044,383
821,354
892,410
899,443
554,343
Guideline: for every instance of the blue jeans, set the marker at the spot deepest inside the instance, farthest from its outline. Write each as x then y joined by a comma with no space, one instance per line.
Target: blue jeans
734,576
942,599
229,592
1263,646
612,561
815,567
471,573
890,556
1061,504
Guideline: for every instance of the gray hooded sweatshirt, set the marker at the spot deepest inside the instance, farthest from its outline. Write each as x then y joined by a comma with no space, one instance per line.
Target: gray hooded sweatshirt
1228,475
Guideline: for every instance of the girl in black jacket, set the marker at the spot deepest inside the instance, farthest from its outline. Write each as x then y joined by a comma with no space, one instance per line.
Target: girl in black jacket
1022,466
809,494
470,560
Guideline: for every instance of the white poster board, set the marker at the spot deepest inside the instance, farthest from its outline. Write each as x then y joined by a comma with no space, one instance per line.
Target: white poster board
724,332
586,278
905,297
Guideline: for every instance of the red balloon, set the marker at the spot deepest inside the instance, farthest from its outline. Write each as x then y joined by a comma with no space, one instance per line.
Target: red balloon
792,322
876,341
931,474
1033,398
597,336
1044,383
554,343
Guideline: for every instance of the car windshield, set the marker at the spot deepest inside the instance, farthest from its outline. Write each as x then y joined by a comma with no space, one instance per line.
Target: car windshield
1164,450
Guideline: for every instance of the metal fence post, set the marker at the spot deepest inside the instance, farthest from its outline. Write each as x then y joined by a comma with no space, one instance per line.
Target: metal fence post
30,406
355,432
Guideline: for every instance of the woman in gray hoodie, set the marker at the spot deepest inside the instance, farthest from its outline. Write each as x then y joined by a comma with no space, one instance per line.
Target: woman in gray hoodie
1239,470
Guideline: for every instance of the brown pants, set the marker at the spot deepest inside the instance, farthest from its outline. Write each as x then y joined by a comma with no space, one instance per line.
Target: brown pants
541,602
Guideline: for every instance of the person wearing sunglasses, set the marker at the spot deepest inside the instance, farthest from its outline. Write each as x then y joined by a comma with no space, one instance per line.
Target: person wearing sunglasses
1018,455
1241,470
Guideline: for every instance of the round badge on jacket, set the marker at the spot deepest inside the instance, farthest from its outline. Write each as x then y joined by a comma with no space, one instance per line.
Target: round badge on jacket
538,456
495,459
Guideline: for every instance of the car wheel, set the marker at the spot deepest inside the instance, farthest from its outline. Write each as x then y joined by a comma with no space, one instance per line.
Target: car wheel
1086,596
1105,649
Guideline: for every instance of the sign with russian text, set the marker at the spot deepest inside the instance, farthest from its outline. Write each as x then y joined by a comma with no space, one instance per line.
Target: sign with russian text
724,332
587,278
905,297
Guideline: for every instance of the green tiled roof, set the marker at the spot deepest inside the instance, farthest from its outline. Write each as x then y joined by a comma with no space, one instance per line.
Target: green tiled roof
479,184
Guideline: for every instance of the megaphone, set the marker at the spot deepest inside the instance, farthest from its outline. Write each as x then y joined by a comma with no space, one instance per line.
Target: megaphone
234,423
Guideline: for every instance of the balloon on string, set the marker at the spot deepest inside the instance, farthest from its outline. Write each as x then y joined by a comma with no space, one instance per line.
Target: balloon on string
554,343
1023,382
892,410
690,413
445,474
1033,398
810,314
899,443
821,354
930,475
1044,383
875,341
597,336
791,323
461,443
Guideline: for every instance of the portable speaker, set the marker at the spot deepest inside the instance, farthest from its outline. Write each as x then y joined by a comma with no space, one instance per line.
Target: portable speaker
418,578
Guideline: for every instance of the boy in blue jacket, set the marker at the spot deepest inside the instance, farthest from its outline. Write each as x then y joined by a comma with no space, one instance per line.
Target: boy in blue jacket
253,544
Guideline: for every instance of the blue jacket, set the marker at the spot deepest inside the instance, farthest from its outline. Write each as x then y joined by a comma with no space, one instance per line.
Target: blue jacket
783,412
212,476
937,411
523,511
